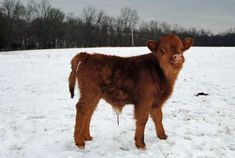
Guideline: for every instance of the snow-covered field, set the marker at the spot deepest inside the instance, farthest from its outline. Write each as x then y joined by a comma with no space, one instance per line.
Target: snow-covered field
37,115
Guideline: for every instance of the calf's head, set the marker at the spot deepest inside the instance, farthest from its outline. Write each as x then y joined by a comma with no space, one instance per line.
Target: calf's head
169,52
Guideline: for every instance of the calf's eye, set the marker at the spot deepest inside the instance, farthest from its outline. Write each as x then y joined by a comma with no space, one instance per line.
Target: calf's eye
162,51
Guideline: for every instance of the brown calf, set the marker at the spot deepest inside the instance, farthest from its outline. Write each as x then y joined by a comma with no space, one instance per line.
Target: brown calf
146,81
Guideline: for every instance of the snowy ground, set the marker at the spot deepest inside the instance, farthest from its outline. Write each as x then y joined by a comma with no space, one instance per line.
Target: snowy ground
37,115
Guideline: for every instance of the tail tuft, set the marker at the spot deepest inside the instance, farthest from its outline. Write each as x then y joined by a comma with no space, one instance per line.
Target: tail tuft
71,92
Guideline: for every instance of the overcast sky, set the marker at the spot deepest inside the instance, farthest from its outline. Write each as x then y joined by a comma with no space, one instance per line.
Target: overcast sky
214,15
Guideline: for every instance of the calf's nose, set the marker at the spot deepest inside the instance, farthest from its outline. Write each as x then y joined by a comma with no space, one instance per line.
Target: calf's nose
177,57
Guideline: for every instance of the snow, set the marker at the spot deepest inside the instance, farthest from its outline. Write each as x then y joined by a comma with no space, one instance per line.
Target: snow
37,115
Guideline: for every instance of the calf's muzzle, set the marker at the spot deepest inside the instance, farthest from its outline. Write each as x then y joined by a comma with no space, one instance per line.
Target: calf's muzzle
177,60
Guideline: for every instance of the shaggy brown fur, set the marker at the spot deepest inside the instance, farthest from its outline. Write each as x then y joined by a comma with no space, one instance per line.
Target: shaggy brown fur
146,81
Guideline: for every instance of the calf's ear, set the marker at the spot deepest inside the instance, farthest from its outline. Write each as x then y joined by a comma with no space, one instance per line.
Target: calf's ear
187,43
152,45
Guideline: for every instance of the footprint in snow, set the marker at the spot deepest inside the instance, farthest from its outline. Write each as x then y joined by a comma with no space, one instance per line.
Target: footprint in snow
15,147
69,116
35,117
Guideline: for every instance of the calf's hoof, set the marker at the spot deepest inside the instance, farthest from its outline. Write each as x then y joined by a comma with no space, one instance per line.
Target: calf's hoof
164,137
140,146
88,138
81,146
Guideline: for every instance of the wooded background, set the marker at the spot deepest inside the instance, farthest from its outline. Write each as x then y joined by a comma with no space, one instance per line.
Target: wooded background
39,25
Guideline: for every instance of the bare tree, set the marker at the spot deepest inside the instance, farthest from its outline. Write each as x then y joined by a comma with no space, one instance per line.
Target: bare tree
30,10
89,15
165,27
93,23
14,11
13,8
129,18
43,8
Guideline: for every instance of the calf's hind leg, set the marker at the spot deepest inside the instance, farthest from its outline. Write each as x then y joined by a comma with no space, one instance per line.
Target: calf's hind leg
85,108
87,135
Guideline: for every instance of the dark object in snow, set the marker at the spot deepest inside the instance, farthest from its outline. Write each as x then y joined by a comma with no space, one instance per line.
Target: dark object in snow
201,94
146,81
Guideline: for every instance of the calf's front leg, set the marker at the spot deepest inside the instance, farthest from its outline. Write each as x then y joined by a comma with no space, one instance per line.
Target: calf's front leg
141,116
156,114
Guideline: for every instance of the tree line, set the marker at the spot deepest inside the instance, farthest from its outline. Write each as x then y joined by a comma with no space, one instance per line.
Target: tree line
39,25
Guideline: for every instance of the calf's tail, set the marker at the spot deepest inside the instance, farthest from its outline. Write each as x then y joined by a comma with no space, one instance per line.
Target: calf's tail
74,66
